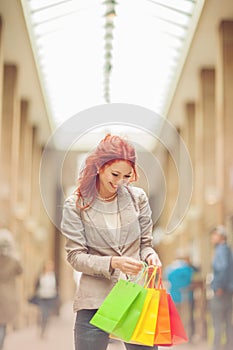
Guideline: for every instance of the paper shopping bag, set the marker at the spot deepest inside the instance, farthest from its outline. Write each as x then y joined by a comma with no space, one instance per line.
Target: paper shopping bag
125,327
144,332
177,329
121,309
163,327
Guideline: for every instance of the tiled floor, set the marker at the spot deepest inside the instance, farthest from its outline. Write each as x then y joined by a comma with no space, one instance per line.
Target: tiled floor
60,337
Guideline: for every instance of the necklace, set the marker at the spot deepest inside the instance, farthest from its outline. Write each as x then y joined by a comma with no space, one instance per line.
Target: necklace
106,199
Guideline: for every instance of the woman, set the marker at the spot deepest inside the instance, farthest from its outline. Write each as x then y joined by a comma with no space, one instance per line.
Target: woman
108,228
10,268
46,291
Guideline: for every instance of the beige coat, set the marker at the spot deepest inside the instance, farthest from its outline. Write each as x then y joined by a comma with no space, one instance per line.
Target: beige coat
90,245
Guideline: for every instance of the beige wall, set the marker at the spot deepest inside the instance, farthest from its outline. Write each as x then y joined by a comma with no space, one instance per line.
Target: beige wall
207,130
21,207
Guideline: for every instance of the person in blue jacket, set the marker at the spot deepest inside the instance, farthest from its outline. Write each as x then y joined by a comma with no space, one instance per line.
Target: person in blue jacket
179,275
222,285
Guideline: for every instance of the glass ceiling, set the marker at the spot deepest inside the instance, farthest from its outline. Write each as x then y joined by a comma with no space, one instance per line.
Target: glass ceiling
91,52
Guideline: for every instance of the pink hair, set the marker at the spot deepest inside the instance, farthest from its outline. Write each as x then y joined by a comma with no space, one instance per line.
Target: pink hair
110,150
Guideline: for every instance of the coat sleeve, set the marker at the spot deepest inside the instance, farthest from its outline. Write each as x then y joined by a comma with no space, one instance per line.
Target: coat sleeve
146,225
76,247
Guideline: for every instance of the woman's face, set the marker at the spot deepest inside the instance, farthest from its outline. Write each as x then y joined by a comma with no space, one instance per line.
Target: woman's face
113,175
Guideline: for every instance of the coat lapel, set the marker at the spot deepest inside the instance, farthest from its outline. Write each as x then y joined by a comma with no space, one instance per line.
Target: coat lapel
129,216
129,226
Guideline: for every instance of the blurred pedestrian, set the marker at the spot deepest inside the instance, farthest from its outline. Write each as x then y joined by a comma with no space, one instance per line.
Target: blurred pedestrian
46,295
196,282
222,285
108,227
10,268
179,275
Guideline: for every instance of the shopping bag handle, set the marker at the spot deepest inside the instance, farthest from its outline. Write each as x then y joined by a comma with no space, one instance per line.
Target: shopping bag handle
156,270
160,281
151,276
142,276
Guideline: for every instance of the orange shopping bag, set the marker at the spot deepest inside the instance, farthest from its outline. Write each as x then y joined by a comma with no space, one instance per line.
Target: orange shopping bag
163,328
169,330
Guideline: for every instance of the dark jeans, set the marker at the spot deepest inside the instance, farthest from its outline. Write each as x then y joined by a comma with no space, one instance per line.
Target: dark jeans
89,337
221,310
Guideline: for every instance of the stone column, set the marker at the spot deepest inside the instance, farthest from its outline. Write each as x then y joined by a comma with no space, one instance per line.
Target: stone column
9,145
1,80
224,88
190,129
208,112
210,195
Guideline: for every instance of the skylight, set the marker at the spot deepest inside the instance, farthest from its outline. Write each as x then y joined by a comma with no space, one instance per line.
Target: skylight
86,58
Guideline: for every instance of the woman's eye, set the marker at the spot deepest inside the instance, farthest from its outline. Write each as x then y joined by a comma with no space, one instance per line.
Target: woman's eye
114,174
127,176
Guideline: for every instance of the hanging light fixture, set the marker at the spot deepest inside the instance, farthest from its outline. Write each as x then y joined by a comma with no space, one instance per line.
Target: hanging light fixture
110,2
108,36
109,26
110,9
110,13
108,55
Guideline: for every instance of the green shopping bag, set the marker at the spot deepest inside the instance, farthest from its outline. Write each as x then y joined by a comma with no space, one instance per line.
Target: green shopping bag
125,328
121,309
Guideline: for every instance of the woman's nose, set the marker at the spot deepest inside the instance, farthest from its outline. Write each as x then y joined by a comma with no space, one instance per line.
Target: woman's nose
120,181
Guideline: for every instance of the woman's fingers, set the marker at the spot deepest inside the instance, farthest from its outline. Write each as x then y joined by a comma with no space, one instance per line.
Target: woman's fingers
153,259
131,266
126,265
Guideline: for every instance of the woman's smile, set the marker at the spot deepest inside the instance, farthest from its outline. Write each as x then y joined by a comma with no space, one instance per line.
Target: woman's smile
111,176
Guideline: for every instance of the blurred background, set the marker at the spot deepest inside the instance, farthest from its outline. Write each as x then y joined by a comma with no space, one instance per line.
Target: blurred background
173,58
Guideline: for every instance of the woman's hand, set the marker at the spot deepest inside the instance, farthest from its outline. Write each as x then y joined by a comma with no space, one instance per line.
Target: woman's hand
153,259
126,265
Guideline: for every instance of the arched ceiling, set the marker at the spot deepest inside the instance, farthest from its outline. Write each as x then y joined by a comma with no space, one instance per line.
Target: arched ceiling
133,71
92,52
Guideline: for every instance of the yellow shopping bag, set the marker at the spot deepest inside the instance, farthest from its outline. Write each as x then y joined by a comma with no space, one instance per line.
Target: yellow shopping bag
144,332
